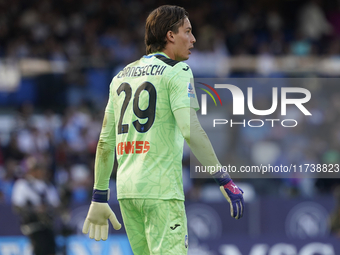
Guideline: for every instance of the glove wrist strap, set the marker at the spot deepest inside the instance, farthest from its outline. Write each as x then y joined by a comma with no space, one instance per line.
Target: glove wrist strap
221,177
101,196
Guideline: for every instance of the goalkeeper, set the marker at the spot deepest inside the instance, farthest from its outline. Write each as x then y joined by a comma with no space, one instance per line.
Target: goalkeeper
152,106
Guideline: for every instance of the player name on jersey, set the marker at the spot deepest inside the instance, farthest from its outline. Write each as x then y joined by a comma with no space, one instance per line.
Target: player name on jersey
136,71
133,147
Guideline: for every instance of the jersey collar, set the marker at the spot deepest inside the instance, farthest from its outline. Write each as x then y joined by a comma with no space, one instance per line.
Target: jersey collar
156,53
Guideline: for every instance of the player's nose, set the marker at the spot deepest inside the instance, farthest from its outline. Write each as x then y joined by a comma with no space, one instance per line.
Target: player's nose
193,39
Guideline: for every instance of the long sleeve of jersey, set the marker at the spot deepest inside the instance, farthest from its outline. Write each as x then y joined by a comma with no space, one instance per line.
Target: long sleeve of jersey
195,136
105,152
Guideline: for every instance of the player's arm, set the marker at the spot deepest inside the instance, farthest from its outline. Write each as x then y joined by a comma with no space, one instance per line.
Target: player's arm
196,137
105,153
183,101
96,222
201,147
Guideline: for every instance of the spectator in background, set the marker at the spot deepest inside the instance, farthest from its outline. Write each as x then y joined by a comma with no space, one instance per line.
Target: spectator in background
8,174
313,22
11,150
35,200
301,46
334,18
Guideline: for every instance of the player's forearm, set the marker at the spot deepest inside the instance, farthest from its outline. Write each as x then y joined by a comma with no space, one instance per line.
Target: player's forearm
105,153
196,137
201,146
103,165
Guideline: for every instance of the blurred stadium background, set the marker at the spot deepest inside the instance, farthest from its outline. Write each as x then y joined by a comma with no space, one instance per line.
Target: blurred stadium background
57,59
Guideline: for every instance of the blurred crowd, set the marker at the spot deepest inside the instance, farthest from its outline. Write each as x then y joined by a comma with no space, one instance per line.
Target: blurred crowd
64,145
111,32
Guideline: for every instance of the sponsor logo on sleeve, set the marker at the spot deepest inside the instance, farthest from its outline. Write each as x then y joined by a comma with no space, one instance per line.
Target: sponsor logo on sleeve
191,92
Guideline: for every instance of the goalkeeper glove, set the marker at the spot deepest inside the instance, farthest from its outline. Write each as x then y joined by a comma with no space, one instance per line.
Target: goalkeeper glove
97,217
231,192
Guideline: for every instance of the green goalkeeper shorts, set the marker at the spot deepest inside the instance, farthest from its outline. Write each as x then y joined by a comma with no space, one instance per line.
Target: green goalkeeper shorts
155,227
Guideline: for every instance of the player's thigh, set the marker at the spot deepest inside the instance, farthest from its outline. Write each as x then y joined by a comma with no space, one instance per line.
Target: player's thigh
166,227
133,219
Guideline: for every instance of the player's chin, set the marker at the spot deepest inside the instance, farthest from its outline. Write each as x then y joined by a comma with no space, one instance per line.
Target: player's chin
186,57
183,58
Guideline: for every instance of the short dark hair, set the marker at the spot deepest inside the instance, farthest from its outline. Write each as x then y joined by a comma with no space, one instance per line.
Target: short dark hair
159,22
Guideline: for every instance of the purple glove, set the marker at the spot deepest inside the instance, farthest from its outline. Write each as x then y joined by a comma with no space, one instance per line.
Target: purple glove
232,193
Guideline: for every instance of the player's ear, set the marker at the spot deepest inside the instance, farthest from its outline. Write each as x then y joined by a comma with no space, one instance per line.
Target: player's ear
170,36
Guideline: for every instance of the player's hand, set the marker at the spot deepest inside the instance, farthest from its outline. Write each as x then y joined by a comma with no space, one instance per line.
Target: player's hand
96,222
232,193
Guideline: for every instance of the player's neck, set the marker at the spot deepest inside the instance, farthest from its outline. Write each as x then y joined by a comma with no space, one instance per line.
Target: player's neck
169,52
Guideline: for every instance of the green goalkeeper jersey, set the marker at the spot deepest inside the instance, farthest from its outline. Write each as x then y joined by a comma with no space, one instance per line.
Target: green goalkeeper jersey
149,144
